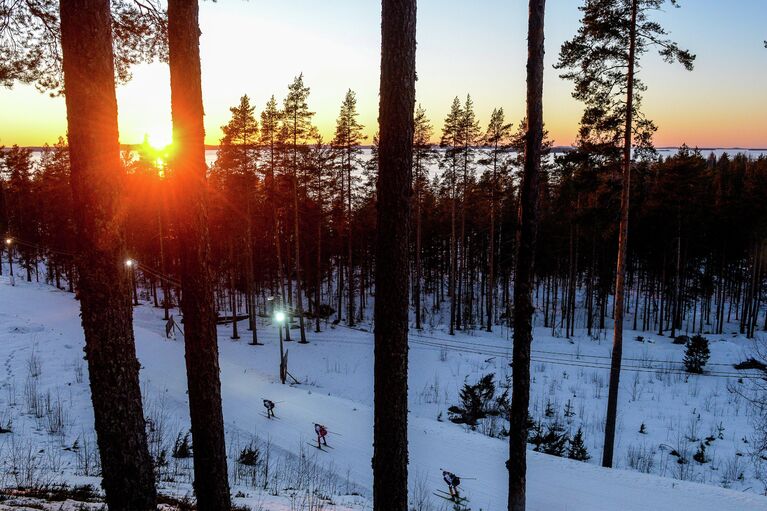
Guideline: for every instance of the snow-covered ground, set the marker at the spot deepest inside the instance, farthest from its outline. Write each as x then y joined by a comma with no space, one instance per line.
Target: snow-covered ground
45,398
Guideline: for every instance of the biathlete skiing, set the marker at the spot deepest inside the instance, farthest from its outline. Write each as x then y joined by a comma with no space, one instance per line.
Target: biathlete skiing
269,405
322,432
453,481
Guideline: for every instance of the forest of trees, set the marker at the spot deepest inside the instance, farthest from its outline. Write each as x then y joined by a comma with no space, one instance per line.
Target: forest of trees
696,261
470,228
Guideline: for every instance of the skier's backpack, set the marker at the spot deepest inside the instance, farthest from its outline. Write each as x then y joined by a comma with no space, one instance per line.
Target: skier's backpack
323,431
456,480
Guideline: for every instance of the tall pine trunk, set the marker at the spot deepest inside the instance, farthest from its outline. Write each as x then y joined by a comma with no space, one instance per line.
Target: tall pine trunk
620,272
453,250
103,285
418,265
523,298
395,153
491,249
250,294
299,304
210,469
349,265
318,287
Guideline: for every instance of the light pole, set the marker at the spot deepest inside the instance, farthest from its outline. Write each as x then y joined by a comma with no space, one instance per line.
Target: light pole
131,265
9,244
279,317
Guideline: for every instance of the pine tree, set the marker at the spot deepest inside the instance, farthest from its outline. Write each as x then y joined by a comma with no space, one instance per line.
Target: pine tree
18,165
346,142
423,155
523,299
477,402
451,136
296,119
56,222
197,305
696,354
320,162
272,141
236,160
469,134
577,449
614,35
497,139
554,440
395,156
34,54
96,181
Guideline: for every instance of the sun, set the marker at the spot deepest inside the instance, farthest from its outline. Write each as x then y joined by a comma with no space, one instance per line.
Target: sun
160,138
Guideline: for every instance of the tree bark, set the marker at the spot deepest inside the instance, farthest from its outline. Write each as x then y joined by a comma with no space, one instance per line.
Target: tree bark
104,286
523,298
395,152
201,342
620,273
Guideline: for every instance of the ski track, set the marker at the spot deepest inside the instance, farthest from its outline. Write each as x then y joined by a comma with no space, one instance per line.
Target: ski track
339,396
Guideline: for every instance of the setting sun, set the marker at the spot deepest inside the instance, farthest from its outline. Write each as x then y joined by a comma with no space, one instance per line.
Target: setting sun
159,138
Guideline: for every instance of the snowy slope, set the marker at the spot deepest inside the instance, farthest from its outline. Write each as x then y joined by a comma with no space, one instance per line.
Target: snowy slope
337,370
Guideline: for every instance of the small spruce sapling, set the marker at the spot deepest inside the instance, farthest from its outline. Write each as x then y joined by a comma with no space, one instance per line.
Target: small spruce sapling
555,440
700,454
477,402
549,410
182,448
577,450
249,456
535,435
569,409
697,354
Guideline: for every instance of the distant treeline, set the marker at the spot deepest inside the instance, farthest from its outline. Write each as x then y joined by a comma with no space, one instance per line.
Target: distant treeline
294,216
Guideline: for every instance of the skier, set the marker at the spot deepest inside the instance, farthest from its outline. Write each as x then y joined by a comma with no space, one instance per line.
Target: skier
452,481
169,327
321,434
269,405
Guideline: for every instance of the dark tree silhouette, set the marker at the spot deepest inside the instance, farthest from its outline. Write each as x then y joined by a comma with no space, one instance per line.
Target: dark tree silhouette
188,165
395,159
97,178
523,283
496,137
30,40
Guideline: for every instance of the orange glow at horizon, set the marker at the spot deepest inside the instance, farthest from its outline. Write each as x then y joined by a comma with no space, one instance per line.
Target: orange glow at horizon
476,48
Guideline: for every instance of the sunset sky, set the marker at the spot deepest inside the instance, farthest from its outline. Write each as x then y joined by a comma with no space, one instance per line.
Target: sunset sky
256,47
